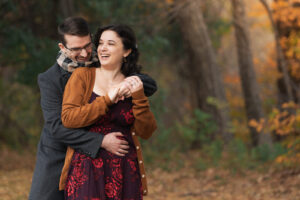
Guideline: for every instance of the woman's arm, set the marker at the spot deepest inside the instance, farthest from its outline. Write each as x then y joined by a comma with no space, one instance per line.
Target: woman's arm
75,113
145,123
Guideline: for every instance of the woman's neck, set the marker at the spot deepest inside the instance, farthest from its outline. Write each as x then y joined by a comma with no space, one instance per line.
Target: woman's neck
111,75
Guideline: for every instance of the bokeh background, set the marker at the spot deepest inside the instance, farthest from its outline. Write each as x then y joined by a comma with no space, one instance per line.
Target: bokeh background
227,105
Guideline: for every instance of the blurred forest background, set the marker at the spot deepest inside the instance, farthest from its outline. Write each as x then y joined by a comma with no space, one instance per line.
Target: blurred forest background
228,75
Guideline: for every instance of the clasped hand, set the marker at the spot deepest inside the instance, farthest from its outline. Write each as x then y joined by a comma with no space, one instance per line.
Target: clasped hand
125,89
112,142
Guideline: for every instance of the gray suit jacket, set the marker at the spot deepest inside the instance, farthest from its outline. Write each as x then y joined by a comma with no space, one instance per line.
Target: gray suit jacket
55,137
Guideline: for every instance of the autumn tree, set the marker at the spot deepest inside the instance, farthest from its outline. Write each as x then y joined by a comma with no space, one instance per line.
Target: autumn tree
284,83
286,14
247,74
203,71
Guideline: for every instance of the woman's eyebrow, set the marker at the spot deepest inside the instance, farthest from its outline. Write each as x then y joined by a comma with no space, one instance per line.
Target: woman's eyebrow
108,41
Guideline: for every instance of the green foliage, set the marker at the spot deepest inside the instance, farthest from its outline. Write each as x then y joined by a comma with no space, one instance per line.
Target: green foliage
218,28
153,41
197,130
201,164
162,142
28,53
20,113
214,151
211,155
264,153
236,155
117,11
42,56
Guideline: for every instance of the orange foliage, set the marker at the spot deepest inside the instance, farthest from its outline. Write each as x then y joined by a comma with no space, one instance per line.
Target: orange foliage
280,122
285,12
233,92
287,16
284,124
257,15
232,79
170,1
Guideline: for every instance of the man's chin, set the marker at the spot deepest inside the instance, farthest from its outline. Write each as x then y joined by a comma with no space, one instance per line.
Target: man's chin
82,60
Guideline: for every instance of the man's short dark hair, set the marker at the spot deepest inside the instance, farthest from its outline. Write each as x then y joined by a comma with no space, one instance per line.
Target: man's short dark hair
73,26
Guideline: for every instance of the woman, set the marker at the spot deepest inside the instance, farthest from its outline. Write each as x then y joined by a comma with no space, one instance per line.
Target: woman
96,97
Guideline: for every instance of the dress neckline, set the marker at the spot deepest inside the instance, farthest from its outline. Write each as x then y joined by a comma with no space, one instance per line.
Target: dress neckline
96,94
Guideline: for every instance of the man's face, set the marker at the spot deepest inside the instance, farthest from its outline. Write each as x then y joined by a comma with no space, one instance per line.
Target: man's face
77,48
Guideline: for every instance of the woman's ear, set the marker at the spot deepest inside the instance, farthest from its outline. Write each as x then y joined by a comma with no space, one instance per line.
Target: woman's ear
127,52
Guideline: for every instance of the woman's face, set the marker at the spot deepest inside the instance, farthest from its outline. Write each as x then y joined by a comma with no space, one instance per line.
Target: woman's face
111,49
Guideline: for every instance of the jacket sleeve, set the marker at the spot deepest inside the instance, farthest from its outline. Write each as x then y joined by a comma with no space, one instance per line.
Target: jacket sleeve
145,123
51,103
149,84
75,113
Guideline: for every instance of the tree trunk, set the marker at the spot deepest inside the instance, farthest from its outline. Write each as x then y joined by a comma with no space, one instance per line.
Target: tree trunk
284,84
205,77
247,73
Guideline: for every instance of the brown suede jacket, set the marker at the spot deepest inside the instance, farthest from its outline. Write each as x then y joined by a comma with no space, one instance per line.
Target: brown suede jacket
78,113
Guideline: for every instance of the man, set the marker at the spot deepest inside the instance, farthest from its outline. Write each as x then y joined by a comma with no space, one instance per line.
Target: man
76,51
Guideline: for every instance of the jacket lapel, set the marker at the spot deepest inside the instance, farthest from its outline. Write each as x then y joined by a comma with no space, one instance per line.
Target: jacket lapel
65,77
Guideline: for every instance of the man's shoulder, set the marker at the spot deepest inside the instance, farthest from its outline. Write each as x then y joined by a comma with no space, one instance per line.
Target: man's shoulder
51,75
53,70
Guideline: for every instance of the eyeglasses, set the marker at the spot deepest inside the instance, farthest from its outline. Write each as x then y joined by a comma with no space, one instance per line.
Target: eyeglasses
78,50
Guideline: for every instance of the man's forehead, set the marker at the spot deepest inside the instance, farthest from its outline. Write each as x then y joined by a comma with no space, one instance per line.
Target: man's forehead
77,41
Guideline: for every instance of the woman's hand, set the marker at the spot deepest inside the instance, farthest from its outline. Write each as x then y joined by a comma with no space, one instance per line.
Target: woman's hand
119,92
125,89
113,94
135,83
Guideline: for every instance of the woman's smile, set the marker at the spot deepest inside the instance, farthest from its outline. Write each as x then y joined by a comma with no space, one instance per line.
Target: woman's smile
111,50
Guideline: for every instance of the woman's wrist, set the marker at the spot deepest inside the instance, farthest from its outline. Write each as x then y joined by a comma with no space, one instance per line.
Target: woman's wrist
139,94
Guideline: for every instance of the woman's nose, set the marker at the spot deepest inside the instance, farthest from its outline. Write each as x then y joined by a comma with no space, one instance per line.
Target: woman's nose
104,47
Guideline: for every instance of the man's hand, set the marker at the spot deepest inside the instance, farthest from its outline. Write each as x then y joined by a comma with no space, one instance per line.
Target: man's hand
113,144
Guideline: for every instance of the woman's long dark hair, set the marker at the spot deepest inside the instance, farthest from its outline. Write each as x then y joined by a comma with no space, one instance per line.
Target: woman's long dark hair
130,66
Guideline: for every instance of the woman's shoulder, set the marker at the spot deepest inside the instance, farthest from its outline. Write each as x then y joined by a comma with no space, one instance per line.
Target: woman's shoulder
83,72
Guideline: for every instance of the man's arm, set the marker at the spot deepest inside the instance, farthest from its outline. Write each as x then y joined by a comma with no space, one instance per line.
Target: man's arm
149,84
51,102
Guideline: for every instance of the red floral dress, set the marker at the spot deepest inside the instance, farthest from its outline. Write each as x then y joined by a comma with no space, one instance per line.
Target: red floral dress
109,176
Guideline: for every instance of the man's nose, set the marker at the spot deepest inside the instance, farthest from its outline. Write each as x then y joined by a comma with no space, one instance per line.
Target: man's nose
83,53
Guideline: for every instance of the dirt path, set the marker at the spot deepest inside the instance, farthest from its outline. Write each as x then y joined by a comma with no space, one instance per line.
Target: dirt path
184,184
223,185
